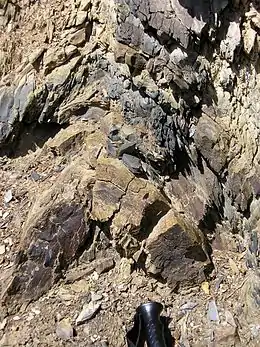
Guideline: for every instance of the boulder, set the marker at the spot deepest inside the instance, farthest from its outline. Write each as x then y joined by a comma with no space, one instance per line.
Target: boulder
57,226
69,139
177,251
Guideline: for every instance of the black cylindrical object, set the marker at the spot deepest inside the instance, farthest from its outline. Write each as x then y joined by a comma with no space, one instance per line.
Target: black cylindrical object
152,325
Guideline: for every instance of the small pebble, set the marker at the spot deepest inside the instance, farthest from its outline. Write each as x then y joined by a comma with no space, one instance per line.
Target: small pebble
8,196
6,214
8,241
189,306
88,312
64,329
30,317
213,311
205,287
2,249
3,324
16,318
36,311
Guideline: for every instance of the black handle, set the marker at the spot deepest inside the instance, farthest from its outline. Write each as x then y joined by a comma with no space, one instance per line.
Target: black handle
152,325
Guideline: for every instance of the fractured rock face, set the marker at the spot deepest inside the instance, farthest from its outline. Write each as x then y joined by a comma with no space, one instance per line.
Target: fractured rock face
56,227
61,219
177,251
169,96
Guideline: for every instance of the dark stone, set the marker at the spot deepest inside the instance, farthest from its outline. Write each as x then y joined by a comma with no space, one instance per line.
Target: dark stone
128,33
57,238
127,147
177,252
6,104
133,163
35,176
150,45
22,95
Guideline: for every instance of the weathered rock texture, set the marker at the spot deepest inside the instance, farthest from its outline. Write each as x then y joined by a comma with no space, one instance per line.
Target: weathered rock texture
170,94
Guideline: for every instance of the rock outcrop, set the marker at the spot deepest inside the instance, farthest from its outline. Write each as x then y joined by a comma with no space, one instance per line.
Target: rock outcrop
160,101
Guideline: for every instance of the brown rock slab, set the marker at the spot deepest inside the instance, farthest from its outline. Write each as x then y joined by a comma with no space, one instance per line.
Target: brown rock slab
78,38
78,273
114,171
106,200
56,227
104,265
193,194
140,209
176,251
113,179
226,335
69,139
95,147
213,142
249,296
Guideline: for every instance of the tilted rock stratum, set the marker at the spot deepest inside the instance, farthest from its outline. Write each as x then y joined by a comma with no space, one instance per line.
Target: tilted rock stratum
155,108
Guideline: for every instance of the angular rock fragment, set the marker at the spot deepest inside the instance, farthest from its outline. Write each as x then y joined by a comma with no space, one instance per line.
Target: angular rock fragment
232,41
69,139
8,196
212,141
78,38
133,163
56,57
58,86
106,200
213,311
85,5
88,311
56,227
249,294
177,251
64,329
104,265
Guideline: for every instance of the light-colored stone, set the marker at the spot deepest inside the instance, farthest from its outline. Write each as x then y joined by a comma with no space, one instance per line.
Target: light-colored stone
249,37
85,5
78,38
36,55
64,329
81,17
232,41
2,249
88,311
69,139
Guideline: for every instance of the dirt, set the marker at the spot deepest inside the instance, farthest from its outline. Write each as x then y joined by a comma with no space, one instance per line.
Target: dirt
35,25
